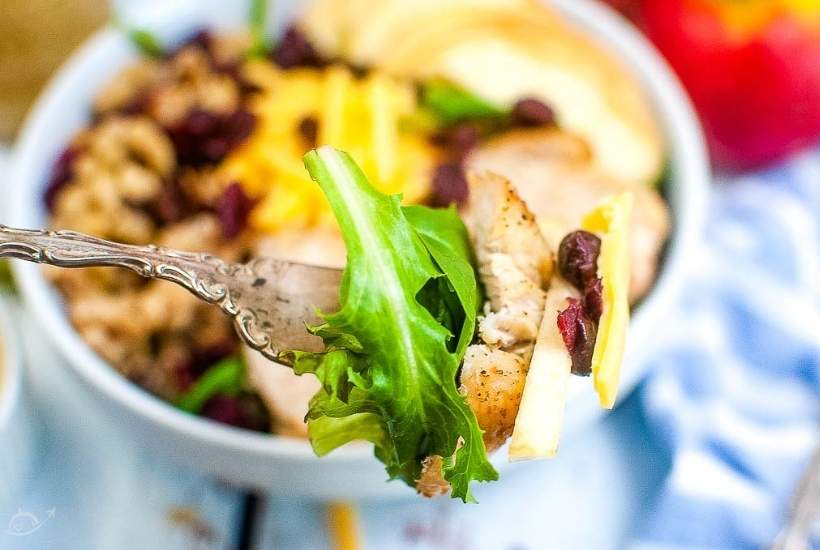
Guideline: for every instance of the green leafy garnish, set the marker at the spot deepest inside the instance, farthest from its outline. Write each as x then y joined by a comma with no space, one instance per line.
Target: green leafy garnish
146,42
260,44
225,378
446,239
408,303
452,103
6,278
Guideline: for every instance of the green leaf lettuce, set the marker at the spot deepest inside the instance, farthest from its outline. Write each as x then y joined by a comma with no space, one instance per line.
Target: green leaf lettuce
408,300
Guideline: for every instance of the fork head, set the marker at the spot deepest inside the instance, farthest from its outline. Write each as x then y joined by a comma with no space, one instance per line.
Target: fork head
274,300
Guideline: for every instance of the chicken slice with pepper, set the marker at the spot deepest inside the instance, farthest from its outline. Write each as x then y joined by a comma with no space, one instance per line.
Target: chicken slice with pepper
555,175
515,264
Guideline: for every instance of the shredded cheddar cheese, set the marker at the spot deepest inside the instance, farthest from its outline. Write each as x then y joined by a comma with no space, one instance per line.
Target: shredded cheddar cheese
363,116
343,526
610,221
541,414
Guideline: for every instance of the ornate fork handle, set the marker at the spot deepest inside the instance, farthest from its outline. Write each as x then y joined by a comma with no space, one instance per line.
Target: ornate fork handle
196,272
269,300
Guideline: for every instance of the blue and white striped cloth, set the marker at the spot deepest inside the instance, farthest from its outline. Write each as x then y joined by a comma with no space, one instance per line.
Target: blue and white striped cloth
735,396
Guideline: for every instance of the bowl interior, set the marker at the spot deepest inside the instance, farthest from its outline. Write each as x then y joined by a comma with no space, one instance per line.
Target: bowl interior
64,108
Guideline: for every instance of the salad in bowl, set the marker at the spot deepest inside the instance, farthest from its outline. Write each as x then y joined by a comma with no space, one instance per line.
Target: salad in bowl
490,179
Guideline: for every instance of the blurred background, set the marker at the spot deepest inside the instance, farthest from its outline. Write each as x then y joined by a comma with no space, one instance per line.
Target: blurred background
708,453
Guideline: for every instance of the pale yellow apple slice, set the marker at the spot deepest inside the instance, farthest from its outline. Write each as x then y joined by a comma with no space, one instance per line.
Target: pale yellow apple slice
541,413
540,416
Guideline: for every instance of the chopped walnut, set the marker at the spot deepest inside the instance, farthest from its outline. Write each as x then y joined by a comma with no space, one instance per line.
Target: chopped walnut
124,90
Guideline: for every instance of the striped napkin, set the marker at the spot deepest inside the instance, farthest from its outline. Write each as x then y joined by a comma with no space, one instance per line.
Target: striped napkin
735,395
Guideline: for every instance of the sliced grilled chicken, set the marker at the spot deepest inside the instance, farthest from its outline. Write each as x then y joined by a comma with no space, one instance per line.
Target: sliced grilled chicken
432,483
492,381
554,174
515,264
514,261
503,50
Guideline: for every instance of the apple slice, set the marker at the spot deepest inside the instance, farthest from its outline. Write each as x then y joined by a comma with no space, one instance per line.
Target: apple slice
540,416
541,413
504,50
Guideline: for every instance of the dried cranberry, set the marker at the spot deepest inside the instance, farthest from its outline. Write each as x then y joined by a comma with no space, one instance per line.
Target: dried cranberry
233,69
449,185
201,359
201,38
224,409
233,209
359,71
295,50
138,104
578,332
216,148
200,122
239,125
184,375
594,299
309,129
61,174
459,140
172,204
531,112
578,258
244,411
204,137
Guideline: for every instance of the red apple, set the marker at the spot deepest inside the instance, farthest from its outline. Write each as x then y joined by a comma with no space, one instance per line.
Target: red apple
752,69
630,8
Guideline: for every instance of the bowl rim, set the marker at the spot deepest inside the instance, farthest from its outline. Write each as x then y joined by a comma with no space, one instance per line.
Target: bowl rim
685,148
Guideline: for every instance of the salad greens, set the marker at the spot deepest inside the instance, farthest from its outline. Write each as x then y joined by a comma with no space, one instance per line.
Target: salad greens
452,103
6,278
258,18
225,378
408,299
150,46
146,42
458,294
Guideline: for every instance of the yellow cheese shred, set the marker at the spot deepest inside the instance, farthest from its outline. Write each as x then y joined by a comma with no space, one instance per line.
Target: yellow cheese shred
610,220
343,526
365,116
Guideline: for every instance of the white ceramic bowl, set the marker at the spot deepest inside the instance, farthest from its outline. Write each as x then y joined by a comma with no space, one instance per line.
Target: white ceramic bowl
277,463
17,426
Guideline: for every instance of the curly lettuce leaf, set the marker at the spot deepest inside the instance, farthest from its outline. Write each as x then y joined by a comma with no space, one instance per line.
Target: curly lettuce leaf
260,45
446,239
225,378
146,42
408,303
452,103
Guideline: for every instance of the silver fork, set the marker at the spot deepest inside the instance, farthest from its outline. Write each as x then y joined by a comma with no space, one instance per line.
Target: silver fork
805,509
269,300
